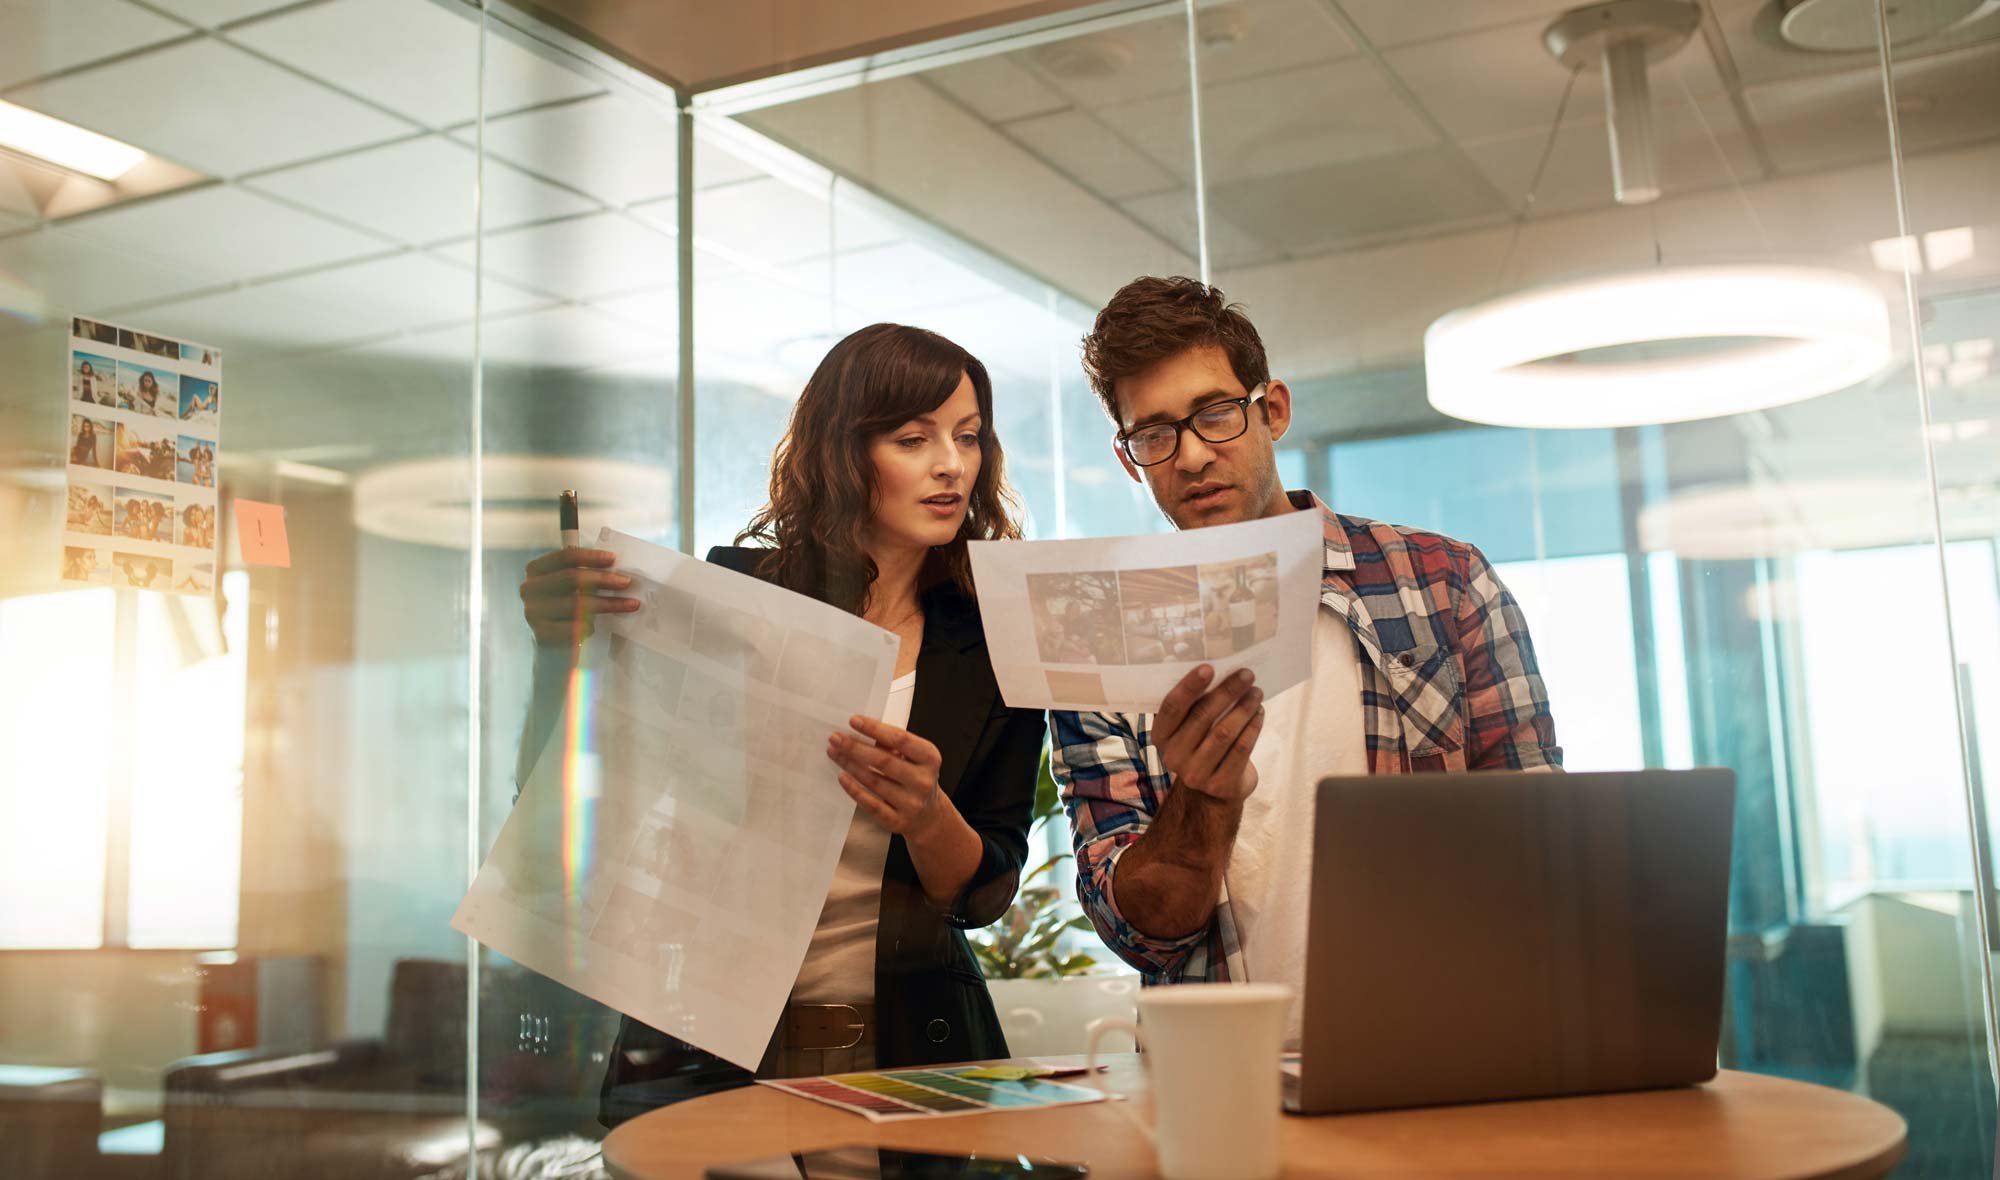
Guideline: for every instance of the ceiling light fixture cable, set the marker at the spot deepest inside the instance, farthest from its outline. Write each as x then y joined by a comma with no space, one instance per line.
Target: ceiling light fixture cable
1535,182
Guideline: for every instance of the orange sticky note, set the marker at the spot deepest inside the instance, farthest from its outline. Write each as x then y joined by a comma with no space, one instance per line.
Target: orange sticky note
260,534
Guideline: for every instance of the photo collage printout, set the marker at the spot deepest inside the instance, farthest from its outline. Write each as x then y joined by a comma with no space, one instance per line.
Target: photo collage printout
1111,624
144,444
672,846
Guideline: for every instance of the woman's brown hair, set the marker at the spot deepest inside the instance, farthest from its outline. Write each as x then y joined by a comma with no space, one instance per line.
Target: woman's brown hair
823,478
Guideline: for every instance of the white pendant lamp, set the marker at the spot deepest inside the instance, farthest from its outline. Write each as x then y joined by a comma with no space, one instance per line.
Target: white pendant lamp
1726,339
1621,38
1669,344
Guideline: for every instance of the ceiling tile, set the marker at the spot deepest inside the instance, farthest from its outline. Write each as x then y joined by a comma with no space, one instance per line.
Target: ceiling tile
998,89
602,254
658,311
1388,23
1248,40
1749,28
74,274
775,223
1145,59
1947,99
1279,123
1010,335
1317,209
418,59
1148,59
20,198
1091,154
608,146
618,150
224,234
1820,122
1171,215
43,37
420,191
554,338
1502,80
1578,175
903,279
211,14
738,315
327,307
212,107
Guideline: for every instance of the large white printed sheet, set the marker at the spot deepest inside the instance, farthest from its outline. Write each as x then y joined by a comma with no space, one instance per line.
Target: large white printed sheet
672,848
1110,624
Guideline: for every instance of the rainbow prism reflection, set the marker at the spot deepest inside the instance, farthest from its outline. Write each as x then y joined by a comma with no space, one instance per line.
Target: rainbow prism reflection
580,786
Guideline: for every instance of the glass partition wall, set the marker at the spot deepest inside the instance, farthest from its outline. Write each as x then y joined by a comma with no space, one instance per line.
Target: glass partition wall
447,257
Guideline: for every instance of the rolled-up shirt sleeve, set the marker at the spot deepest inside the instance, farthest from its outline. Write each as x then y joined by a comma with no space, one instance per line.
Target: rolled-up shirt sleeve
1112,784
1508,705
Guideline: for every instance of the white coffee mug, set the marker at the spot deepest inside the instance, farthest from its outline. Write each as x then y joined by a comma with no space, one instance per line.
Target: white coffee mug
1212,1050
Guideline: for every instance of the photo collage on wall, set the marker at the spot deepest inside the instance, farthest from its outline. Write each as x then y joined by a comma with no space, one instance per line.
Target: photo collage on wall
145,430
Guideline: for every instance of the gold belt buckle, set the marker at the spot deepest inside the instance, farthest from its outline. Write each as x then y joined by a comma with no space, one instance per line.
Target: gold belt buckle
821,1022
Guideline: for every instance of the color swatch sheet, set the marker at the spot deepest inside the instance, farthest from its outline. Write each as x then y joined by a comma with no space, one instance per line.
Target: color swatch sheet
893,1095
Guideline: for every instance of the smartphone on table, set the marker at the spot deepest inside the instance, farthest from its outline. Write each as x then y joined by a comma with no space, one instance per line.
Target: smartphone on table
883,1163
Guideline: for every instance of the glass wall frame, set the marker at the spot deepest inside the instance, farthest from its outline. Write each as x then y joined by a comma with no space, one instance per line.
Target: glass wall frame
613,332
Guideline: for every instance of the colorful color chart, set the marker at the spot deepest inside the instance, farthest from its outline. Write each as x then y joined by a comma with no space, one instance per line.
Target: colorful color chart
930,1093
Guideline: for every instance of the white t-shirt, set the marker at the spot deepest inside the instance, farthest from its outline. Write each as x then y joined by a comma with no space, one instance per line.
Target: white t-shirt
839,967
1311,730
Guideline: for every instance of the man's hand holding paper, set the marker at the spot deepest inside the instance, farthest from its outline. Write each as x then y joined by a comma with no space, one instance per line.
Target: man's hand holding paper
1116,624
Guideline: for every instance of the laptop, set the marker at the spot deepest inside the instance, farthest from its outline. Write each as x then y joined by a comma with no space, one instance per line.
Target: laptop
1502,935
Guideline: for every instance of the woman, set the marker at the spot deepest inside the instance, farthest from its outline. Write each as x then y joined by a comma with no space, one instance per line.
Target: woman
889,466
84,453
86,384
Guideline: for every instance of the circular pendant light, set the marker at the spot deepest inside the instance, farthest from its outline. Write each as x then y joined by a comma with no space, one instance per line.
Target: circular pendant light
429,501
1666,345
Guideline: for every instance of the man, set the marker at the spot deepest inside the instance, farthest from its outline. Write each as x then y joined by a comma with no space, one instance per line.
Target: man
1193,827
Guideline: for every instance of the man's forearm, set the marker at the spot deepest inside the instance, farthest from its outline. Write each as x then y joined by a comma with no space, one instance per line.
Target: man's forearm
1168,879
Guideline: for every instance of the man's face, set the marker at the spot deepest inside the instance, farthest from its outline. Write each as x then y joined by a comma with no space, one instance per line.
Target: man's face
1206,483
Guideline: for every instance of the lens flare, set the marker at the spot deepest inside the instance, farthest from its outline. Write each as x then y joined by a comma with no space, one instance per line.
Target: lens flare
579,810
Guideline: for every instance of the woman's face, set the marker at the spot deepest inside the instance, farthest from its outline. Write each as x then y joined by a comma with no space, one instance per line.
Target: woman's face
148,386
925,470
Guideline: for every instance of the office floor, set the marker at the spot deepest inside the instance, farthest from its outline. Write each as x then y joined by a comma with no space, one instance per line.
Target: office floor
1941,1087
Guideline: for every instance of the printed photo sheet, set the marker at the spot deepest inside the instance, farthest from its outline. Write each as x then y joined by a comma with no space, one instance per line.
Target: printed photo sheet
672,848
144,446
1110,624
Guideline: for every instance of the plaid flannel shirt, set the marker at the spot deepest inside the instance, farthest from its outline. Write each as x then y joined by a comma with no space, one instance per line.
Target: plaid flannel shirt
1448,682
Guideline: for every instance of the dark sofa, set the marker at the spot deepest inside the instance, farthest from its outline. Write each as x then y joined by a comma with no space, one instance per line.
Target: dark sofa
395,1106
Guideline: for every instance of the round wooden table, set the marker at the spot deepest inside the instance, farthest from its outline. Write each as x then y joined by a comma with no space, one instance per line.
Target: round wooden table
1740,1125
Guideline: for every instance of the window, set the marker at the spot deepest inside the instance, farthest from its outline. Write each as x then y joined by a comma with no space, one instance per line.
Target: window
122,771
1887,780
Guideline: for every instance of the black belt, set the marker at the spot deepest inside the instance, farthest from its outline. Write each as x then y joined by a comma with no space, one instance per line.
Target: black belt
828,1026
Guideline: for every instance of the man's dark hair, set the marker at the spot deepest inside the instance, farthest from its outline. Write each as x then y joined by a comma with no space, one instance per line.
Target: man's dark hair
1152,319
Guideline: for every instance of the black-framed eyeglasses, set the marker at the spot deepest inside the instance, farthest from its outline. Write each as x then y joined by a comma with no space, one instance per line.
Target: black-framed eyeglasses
1216,422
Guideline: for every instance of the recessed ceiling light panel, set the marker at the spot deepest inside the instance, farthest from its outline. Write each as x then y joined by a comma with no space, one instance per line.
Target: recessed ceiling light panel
65,145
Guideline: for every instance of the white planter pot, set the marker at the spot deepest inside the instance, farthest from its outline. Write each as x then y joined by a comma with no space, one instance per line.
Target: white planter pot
1047,1017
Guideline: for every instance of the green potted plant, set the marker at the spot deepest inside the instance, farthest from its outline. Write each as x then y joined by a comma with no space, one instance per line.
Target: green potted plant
1045,986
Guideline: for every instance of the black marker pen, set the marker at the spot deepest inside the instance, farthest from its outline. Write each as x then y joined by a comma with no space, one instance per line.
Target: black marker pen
566,508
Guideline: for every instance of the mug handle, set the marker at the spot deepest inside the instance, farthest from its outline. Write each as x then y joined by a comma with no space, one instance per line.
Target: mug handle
1097,1030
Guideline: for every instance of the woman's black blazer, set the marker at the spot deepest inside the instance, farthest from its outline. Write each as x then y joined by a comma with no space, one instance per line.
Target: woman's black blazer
931,1003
